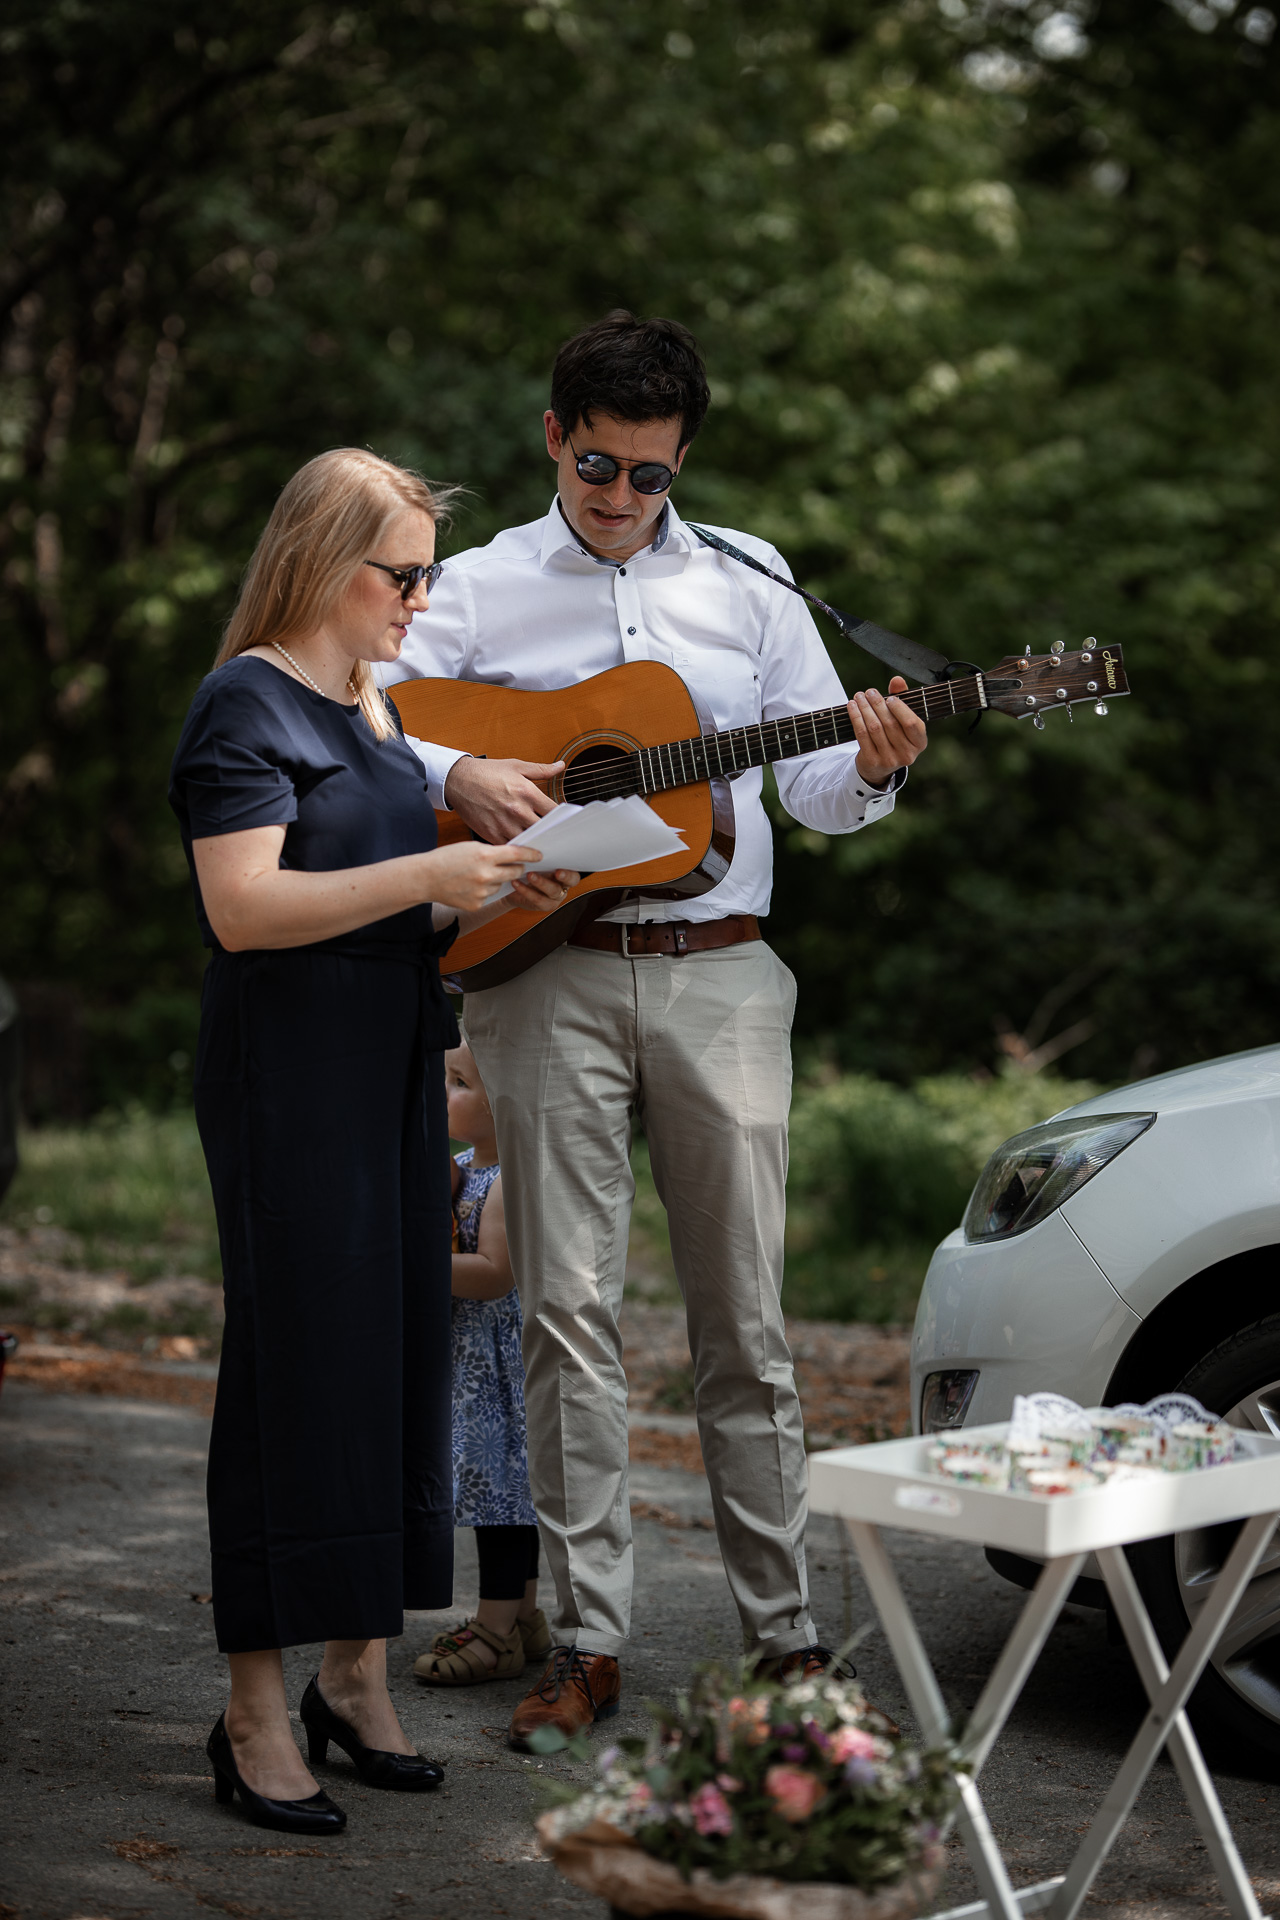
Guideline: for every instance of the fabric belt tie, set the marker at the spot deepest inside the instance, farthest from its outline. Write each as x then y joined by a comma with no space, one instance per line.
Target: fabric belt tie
643,938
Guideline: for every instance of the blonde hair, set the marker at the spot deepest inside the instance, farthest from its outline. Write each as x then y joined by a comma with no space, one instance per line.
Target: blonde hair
329,518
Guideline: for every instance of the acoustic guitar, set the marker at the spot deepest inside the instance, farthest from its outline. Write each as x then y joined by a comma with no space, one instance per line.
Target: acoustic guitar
638,729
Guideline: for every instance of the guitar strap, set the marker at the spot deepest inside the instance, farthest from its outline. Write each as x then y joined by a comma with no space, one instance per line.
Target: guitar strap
904,656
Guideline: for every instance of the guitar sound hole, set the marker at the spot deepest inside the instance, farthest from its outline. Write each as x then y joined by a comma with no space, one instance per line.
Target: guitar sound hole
602,772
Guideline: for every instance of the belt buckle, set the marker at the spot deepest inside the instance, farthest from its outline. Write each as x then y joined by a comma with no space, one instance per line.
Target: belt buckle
627,926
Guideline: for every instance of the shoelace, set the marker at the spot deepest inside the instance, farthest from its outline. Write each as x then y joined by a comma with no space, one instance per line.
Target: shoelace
823,1660
566,1664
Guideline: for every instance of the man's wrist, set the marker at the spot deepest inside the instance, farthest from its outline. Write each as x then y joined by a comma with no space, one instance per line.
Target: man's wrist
444,791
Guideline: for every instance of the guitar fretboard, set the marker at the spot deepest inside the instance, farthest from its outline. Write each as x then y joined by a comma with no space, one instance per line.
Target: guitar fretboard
710,756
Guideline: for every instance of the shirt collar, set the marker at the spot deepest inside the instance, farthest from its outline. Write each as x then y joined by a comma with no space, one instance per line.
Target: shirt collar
557,535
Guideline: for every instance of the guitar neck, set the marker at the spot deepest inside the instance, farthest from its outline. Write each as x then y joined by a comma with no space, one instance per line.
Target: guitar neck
710,756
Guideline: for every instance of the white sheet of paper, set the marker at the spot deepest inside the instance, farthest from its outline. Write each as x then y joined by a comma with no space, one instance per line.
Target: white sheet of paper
596,838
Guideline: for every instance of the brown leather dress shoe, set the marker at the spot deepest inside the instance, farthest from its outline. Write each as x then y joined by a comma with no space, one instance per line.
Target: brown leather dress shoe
810,1663
576,1689
803,1663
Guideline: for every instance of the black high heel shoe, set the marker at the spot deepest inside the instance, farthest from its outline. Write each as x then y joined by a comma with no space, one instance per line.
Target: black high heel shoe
401,1772
315,1815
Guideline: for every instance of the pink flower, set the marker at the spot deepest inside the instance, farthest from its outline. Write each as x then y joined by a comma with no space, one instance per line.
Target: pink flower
750,1718
710,1810
851,1743
727,1781
794,1792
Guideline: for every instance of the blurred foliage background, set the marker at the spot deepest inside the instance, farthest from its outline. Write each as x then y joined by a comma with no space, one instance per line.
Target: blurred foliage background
878,1174
989,295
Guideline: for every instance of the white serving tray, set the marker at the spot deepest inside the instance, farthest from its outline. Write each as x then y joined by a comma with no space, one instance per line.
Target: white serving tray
890,1485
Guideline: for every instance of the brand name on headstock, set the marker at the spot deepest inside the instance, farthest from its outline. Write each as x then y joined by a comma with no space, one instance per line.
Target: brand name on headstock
1109,660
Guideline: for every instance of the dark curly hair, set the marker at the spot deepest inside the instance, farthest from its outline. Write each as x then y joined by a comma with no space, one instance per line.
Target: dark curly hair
633,370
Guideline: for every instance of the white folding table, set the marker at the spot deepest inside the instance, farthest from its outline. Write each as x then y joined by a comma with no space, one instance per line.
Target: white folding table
889,1485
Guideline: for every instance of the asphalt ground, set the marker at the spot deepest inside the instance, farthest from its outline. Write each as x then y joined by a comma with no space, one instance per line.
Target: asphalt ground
110,1684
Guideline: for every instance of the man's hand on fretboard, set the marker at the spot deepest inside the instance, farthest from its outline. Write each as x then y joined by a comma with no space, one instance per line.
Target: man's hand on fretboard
889,734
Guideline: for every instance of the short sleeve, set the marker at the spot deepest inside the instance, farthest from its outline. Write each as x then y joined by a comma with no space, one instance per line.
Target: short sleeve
225,778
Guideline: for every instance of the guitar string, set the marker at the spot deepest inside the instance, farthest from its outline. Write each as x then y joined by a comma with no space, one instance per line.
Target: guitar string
614,779
594,781
628,773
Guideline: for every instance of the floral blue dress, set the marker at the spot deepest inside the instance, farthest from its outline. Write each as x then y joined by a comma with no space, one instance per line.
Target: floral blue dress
490,1462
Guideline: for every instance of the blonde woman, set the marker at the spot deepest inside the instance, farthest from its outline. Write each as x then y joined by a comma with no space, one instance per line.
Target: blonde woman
320,1100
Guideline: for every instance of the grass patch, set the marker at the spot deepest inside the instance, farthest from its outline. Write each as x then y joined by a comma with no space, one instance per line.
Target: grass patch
879,1174
675,1393
131,1188
649,1265
878,1283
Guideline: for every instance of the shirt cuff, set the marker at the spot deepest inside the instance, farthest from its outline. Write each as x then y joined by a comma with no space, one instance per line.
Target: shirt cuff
896,780
438,763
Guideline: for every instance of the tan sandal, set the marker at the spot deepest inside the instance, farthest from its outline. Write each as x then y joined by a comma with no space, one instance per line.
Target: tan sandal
536,1635
453,1660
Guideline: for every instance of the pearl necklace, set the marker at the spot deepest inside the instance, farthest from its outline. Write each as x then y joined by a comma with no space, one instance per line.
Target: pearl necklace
305,675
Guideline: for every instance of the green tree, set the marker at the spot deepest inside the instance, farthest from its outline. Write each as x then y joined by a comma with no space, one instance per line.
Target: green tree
990,321
1093,453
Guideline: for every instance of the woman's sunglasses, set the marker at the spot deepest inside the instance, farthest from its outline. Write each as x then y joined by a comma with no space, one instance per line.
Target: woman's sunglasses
409,579
598,469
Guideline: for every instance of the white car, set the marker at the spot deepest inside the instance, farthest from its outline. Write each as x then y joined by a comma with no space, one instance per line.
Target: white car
1127,1247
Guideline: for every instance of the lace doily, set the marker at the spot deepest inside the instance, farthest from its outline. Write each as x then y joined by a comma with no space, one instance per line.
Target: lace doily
1036,1415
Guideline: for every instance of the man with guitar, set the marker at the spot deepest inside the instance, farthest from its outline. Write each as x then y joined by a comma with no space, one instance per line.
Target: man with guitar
671,1010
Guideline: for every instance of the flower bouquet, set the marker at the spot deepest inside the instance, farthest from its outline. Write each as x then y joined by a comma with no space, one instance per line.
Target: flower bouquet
762,1803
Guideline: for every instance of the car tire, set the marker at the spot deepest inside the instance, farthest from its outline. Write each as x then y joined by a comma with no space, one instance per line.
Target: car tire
1236,1707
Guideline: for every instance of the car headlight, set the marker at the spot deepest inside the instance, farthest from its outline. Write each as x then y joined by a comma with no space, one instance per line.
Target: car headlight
946,1398
1032,1174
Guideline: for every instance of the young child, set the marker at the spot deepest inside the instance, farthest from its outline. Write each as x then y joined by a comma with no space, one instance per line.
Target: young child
490,1469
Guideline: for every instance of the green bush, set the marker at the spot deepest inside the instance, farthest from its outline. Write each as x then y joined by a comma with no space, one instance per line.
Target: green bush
143,1053
880,1173
132,1188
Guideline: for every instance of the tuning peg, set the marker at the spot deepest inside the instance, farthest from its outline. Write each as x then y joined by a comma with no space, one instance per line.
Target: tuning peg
1057,647
1037,721
1071,714
1101,709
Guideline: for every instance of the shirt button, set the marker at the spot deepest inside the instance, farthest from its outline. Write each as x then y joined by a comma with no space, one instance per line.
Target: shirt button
622,573
631,630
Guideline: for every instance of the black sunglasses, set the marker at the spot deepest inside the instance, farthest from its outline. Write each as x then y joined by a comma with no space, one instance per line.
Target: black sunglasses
598,469
408,579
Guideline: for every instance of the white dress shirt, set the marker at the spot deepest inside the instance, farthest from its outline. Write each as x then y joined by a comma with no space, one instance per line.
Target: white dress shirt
534,609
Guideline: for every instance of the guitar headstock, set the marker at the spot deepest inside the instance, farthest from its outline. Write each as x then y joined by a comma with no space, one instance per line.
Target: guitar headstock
1027,686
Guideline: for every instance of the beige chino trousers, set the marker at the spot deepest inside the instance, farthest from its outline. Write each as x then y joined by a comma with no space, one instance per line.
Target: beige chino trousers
697,1046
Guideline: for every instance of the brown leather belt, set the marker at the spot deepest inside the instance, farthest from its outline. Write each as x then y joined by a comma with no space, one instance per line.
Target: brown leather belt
642,938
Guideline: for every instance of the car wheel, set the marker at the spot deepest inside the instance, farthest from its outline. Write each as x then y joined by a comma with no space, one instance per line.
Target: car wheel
1236,1707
